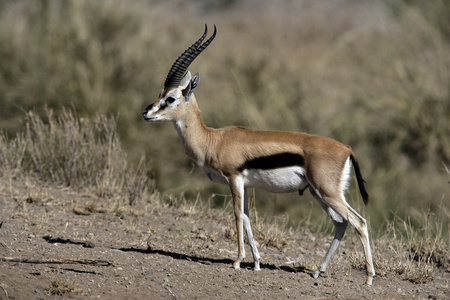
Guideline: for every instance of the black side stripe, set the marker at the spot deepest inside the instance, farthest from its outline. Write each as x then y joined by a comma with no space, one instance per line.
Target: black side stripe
275,161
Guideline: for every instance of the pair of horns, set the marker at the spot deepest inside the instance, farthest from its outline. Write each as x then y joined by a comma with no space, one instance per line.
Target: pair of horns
179,67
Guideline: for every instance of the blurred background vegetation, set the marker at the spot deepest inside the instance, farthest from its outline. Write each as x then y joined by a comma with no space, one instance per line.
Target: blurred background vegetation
372,74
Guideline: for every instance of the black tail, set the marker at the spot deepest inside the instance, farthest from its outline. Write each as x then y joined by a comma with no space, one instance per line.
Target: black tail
362,188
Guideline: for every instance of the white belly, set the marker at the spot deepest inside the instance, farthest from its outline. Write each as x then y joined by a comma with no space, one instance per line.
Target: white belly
283,180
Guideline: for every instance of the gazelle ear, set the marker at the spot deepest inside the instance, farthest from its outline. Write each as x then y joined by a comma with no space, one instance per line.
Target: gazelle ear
186,80
187,92
195,81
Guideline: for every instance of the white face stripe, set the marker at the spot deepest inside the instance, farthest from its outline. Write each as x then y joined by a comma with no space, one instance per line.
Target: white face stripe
162,109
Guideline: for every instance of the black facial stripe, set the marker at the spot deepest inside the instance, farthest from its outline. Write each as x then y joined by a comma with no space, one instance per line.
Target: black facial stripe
149,107
275,161
163,105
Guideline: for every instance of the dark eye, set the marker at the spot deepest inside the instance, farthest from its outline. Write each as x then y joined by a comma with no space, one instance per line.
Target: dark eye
170,100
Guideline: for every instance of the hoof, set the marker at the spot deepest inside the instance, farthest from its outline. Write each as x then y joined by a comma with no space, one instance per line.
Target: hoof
237,265
257,268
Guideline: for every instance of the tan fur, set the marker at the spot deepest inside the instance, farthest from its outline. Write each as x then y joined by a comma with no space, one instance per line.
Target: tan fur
224,150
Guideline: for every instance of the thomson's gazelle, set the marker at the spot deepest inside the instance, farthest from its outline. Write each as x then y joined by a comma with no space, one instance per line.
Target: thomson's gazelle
276,161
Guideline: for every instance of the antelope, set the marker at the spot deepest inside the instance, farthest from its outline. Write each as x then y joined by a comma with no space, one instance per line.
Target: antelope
276,161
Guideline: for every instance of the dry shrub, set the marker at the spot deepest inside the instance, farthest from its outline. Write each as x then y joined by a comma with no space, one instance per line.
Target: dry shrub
267,233
433,251
428,244
272,234
413,253
61,287
12,153
76,152
420,271
417,271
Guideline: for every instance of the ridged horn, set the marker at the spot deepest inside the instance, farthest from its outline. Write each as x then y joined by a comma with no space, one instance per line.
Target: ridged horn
179,67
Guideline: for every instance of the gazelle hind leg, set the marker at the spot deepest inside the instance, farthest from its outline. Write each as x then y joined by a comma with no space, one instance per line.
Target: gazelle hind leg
340,225
360,224
347,214
248,230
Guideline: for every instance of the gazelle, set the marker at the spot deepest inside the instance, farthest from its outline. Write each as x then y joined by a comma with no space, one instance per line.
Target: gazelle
276,161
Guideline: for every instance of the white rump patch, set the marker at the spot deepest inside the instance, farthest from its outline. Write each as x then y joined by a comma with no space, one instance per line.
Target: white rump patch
345,177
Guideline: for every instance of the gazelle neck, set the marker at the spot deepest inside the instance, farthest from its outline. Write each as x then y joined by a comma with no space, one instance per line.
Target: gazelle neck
194,134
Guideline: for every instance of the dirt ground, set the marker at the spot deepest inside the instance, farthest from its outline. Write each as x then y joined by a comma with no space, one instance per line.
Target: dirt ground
59,243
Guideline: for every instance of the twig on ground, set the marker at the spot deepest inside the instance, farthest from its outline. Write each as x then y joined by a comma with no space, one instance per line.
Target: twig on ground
98,262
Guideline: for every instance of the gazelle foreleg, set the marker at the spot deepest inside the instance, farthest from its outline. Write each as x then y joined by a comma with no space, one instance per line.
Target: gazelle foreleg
241,213
248,230
237,186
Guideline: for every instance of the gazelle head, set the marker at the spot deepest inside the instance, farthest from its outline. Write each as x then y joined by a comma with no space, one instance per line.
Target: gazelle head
179,85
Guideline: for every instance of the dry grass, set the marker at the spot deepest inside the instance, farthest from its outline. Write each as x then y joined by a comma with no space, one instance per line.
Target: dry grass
403,249
62,287
373,76
415,271
76,152
415,252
